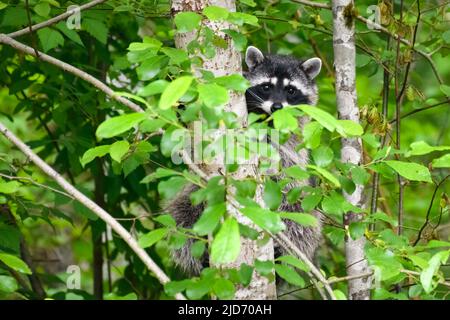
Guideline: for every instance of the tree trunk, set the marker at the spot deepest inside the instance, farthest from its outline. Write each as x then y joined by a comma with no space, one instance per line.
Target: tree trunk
228,61
351,152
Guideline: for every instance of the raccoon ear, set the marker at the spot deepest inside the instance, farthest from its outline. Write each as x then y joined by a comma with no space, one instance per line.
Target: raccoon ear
312,67
253,57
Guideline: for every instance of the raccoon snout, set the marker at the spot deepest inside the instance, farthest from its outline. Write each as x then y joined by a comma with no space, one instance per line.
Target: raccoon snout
276,106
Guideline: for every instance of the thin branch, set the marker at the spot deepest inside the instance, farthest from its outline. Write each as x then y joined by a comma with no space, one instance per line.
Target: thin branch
88,203
54,20
313,4
415,273
385,108
36,184
423,109
69,68
427,217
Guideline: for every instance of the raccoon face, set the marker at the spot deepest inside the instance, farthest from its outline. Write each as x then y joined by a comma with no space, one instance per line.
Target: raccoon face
278,81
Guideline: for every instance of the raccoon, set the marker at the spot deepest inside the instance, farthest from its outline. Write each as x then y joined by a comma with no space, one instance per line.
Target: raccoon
276,81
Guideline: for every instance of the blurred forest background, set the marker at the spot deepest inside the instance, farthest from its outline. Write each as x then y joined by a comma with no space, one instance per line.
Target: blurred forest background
129,45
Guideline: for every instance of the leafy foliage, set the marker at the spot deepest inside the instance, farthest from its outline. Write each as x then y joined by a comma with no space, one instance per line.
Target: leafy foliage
128,162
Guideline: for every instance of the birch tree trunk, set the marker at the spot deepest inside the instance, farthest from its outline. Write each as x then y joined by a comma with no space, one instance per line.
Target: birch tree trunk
351,152
229,61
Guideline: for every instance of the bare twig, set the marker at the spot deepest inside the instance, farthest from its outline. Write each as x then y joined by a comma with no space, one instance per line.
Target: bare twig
36,184
313,4
54,20
385,108
447,102
69,68
88,203
427,217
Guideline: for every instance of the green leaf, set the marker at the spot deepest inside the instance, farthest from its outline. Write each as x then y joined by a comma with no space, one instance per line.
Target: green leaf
426,276
118,149
384,217
311,133
446,38
170,188
95,28
209,219
290,275
249,3
339,295
3,5
197,289
245,188
264,267
8,284
310,201
224,289
322,156
172,141
174,91
297,173
152,237
215,13
93,153
173,287
357,229
445,89
234,82
410,170
15,263
155,87
15,16
326,174
151,125
272,194
160,173
245,274
120,124
284,119
385,261
166,220
442,162
240,18
303,219
438,244
349,128
213,95
187,21
264,218
359,175
197,249
50,38
42,9
322,117
176,56
9,187
151,67
226,245
239,40
69,33
9,236
421,147
294,262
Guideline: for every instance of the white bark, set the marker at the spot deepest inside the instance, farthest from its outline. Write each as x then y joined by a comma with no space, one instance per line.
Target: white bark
351,152
228,61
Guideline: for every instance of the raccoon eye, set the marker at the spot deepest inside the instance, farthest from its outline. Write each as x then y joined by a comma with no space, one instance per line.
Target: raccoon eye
266,87
291,90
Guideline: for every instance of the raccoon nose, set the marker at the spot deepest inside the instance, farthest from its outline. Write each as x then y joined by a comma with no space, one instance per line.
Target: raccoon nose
276,106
